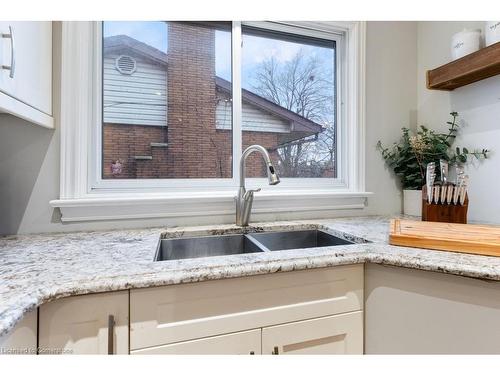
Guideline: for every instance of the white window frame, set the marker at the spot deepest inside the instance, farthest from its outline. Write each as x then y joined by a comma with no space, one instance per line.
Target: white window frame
84,195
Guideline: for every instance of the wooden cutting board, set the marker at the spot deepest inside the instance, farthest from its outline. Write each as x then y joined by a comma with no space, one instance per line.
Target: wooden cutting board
462,238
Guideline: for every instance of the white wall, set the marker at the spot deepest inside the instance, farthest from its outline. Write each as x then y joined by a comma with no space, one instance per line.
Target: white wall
391,97
29,155
478,105
29,166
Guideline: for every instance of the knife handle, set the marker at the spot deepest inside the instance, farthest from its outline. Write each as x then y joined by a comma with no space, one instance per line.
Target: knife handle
456,194
449,194
436,194
463,193
444,189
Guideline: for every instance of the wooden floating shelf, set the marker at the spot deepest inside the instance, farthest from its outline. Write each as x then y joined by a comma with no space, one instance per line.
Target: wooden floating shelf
474,67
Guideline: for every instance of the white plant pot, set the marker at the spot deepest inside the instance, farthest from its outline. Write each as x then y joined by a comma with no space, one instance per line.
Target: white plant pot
412,202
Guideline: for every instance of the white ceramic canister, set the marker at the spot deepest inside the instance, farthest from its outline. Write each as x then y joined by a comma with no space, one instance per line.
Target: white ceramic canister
465,42
492,32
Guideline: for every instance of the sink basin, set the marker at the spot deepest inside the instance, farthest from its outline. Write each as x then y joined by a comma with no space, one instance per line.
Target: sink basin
198,247
233,244
298,239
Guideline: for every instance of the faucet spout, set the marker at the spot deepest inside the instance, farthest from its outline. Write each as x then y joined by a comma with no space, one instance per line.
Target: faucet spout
271,172
244,199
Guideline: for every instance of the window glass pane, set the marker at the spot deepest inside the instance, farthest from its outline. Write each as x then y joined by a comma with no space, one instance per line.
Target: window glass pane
166,100
289,102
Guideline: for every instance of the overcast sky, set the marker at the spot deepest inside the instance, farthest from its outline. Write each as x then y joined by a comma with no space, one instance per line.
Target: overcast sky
255,49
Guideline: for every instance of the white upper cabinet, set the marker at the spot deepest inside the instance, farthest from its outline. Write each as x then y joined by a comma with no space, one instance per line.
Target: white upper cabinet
26,70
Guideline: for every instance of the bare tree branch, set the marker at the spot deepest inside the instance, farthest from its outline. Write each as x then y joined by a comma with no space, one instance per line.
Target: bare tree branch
304,86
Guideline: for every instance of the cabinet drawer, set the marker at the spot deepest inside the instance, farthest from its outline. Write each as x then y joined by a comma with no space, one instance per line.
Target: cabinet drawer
177,313
340,334
248,342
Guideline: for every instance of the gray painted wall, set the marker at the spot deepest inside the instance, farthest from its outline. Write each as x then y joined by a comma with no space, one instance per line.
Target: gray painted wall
29,155
478,105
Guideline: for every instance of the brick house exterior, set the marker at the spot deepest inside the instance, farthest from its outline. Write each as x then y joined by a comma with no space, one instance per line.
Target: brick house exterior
190,144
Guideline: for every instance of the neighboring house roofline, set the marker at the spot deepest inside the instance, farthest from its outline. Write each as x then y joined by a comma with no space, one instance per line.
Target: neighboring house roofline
298,123
116,44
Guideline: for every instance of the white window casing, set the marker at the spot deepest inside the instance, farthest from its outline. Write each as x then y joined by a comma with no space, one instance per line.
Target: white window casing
85,196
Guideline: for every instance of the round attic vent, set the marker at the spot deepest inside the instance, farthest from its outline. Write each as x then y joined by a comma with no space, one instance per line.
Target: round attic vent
125,64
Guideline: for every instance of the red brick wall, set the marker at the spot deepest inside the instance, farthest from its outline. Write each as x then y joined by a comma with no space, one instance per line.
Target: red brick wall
123,142
191,102
255,166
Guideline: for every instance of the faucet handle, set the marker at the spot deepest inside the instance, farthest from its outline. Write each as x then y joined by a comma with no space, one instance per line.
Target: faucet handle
249,193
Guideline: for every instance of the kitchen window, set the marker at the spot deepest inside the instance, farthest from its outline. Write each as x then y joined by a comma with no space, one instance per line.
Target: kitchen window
172,105
167,101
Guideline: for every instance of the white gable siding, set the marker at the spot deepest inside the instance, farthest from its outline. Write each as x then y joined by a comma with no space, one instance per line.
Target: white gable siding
139,98
253,119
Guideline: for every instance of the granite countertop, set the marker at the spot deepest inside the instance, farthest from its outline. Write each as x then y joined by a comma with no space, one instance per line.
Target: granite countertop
39,268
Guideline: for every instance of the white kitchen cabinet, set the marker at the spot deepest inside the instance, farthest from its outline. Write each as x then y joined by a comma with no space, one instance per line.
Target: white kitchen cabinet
89,324
162,317
248,342
420,312
310,311
338,334
22,339
26,74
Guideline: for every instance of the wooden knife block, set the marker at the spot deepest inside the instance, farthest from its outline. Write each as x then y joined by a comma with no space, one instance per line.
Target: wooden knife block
445,213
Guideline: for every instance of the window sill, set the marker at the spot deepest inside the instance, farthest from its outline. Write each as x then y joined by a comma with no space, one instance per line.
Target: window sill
207,204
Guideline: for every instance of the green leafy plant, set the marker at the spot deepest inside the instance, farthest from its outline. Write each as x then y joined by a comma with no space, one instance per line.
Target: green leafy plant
409,157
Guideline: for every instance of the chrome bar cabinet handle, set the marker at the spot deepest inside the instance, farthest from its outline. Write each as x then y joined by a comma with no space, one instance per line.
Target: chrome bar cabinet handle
111,334
12,66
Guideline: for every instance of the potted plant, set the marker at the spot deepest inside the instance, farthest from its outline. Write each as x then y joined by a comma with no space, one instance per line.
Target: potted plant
410,156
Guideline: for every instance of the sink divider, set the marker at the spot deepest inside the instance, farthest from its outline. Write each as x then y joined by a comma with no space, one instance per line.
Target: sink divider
257,243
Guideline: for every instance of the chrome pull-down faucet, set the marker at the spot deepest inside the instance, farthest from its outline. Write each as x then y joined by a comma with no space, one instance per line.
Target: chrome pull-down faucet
244,199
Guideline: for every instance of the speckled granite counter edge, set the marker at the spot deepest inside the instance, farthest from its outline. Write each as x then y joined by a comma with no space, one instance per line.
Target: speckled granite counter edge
34,300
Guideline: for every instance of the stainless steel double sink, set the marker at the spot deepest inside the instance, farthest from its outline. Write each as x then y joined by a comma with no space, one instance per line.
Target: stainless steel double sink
231,244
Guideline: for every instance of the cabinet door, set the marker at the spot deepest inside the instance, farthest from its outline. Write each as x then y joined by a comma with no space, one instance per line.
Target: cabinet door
248,342
32,53
22,339
338,334
82,325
